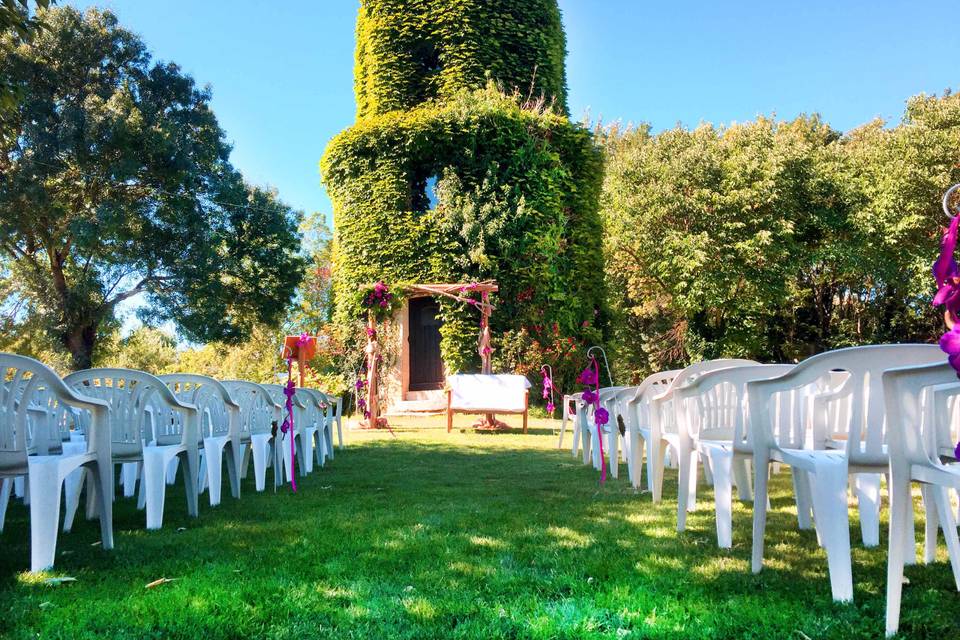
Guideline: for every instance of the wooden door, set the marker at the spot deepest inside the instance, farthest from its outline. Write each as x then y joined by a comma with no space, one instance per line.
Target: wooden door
426,367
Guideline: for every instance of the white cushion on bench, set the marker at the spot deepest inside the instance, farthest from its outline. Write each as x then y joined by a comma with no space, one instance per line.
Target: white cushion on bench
488,392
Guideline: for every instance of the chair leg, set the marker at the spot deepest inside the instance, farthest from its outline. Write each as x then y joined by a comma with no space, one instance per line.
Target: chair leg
128,474
741,476
308,446
636,452
586,441
761,467
684,479
575,435
191,471
260,450
202,473
45,490
942,499
245,459
233,469
900,503
655,467
613,452
803,498
931,524
72,487
563,426
213,454
154,487
867,486
722,464
100,480
830,513
172,470
6,486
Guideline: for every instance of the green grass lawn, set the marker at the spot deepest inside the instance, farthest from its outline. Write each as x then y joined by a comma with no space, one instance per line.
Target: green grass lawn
430,535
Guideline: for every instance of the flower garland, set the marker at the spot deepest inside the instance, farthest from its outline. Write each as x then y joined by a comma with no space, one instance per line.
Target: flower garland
590,377
545,371
947,275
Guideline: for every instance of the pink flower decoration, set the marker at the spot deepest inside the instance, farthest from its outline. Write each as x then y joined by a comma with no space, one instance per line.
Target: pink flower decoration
601,416
589,396
588,377
550,409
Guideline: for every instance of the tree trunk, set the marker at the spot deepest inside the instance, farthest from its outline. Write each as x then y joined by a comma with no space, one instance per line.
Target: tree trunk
79,340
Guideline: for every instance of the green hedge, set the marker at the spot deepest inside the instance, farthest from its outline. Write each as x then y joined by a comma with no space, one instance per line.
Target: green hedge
413,51
518,197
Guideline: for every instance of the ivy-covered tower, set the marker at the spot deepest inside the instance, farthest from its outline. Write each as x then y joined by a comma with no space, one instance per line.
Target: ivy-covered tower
464,166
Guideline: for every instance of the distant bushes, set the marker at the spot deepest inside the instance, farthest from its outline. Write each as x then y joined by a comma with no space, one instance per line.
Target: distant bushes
774,240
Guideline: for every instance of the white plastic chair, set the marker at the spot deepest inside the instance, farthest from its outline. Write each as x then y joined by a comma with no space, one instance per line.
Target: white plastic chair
219,428
824,455
713,422
317,430
571,406
259,418
569,409
300,420
610,400
335,413
637,418
26,380
175,431
664,435
917,430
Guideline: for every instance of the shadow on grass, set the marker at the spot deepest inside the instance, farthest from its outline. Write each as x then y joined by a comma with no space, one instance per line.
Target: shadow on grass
459,535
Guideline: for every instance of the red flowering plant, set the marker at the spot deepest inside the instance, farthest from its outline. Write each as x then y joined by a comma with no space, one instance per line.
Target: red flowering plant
525,350
378,300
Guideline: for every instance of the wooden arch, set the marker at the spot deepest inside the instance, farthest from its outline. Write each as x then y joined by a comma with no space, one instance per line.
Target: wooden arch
461,293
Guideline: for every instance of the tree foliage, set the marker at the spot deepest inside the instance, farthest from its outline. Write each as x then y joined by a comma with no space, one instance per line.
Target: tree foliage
116,183
415,51
775,240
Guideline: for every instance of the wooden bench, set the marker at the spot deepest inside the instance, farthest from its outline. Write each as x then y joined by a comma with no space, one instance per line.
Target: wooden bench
487,394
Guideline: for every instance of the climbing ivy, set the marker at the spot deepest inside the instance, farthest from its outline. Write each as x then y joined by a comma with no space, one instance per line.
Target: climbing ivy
414,51
517,190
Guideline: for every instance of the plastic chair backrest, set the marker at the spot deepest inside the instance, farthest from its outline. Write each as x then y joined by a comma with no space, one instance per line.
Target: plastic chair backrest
27,384
714,406
217,407
663,407
913,417
864,428
129,394
257,410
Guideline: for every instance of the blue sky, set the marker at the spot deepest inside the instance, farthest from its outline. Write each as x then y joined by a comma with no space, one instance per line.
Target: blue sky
282,72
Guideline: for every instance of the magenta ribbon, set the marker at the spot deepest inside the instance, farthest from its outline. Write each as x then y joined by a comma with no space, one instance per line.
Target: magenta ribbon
596,415
589,379
290,390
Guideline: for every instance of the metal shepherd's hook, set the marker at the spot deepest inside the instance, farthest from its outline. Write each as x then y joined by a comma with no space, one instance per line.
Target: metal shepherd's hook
946,200
606,363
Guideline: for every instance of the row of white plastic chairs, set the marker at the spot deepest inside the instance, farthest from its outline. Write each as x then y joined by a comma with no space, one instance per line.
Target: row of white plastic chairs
57,435
860,413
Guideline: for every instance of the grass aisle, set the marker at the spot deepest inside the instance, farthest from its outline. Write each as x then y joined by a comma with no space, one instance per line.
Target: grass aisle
466,535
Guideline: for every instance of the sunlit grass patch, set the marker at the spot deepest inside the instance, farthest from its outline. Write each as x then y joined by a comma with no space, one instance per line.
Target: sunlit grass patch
430,535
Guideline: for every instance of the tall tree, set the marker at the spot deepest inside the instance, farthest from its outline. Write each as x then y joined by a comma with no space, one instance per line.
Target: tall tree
115,182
